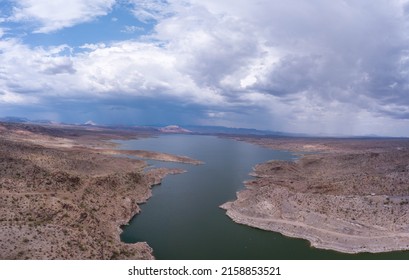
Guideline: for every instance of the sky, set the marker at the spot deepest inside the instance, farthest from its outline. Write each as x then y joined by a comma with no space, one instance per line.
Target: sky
319,67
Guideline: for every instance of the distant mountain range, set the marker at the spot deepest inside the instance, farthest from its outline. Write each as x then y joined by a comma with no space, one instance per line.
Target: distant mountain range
90,123
196,129
14,120
193,129
25,120
174,129
238,131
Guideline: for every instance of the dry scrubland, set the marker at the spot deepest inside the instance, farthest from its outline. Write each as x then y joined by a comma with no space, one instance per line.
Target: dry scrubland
60,198
352,196
64,194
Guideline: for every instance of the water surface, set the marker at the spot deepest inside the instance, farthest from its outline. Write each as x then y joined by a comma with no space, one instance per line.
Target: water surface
182,219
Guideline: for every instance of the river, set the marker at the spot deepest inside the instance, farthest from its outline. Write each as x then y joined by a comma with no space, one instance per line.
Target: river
182,219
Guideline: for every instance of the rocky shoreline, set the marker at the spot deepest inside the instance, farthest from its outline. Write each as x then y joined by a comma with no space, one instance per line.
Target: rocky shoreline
63,197
64,194
154,155
351,197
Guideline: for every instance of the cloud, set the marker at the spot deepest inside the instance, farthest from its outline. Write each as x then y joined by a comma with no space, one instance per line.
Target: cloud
8,97
349,56
304,66
132,29
25,72
59,66
151,10
49,16
140,69
118,70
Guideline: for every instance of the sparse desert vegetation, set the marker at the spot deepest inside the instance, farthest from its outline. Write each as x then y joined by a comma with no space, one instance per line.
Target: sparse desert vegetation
62,199
65,192
352,195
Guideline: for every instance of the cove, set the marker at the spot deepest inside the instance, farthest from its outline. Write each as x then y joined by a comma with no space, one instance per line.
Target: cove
182,219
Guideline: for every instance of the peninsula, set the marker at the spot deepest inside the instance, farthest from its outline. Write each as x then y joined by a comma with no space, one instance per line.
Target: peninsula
65,192
64,195
350,195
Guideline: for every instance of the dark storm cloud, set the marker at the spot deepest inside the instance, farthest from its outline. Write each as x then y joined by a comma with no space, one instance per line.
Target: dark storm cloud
60,67
292,74
318,65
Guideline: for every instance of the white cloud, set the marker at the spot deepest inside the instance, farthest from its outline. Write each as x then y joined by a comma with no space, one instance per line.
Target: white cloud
139,69
132,29
7,97
24,71
297,65
344,56
148,10
53,15
219,115
121,69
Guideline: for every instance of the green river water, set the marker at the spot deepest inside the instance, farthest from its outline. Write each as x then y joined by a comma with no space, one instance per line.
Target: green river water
182,219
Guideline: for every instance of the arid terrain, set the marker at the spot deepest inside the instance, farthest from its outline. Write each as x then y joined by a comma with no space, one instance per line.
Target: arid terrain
64,194
350,195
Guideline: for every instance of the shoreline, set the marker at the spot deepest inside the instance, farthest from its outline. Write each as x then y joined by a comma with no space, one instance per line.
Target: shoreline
66,198
159,156
347,199
320,238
